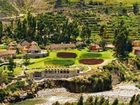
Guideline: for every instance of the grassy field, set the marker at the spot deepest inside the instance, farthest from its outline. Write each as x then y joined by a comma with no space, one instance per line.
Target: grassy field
30,102
52,59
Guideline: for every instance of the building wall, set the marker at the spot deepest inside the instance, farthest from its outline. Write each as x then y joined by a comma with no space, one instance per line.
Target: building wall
55,74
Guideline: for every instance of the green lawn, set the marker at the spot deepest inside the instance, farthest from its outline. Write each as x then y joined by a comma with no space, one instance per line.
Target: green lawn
52,59
60,62
30,102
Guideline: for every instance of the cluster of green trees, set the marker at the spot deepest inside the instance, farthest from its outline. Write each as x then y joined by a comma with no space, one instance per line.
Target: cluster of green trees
11,89
45,28
121,41
101,101
94,83
7,72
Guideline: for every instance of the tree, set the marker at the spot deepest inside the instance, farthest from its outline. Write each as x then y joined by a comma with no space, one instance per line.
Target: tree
80,102
136,8
58,3
26,61
11,64
31,26
122,10
75,30
18,29
103,44
56,103
89,101
91,2
86,32
3,76
121,40
102,31
116,102
96,101
102,100
132,100
1,30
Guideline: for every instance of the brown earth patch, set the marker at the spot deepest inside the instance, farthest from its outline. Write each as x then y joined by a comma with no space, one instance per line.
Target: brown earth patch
66,55
91,61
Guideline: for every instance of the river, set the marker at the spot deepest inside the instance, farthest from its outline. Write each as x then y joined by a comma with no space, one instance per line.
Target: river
123,92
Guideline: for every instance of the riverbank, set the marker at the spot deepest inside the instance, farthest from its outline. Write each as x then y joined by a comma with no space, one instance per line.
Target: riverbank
123,92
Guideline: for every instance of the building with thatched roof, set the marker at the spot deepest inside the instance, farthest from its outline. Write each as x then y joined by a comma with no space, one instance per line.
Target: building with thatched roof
12,46
136,47
110,46
34,49
60,46
136,43
94,47
7,53
25,43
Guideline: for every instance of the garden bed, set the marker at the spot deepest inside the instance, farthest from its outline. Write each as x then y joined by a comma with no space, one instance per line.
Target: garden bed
91,61
66,55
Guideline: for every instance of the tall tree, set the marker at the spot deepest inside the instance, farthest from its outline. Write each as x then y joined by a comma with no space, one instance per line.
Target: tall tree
11,64
135,8
31,21
58,3
121,40
116,102
86,32
18,32
80,102
1,30
102,31
56,103
89,101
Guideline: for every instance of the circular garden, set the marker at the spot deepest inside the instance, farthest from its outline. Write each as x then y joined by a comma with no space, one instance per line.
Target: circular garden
66,55
91,61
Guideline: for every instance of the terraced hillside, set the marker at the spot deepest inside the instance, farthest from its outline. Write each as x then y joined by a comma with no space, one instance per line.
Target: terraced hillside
96,17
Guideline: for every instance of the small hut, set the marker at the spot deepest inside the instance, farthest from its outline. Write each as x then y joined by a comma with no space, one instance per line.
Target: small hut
34,48
12,46
94,47
136,50
136,43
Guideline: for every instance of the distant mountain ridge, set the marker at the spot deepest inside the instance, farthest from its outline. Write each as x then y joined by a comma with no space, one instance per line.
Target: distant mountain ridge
15,7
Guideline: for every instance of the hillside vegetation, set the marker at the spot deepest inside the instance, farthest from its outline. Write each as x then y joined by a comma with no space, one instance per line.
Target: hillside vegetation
16,7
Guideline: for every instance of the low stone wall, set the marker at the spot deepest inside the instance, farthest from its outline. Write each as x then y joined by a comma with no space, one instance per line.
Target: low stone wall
56,73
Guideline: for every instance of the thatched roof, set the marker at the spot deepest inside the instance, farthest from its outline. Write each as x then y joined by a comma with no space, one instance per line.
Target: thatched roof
19,46
60,46
7,53
25,43
34,43
110,46
34,48
12,43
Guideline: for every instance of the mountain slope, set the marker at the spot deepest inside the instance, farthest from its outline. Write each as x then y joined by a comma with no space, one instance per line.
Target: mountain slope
15,7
